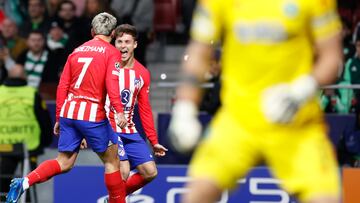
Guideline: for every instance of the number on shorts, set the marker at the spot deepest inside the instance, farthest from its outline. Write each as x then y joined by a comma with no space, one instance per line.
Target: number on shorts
86,65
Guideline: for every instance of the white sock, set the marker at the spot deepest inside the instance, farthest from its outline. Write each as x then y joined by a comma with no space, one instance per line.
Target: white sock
26,183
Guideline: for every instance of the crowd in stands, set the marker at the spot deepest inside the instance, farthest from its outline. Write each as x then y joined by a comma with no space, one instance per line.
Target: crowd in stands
40,34
346,100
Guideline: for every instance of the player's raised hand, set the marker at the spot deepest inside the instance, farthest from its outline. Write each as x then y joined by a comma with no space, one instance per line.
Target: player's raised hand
120,120
56,128
185,128
159,150
281,102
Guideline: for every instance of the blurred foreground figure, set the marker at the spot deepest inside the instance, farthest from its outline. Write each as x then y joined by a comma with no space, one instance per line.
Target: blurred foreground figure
275,56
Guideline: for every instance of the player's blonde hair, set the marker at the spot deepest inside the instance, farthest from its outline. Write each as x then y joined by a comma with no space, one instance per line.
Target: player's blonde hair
103,24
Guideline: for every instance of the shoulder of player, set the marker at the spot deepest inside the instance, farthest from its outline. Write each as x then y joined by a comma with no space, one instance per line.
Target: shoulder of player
138,66
112,49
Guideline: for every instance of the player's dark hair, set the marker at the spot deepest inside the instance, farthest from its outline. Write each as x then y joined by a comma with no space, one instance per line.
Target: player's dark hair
126,29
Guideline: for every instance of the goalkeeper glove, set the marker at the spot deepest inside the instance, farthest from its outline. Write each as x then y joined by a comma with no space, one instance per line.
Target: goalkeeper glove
185,128
281,102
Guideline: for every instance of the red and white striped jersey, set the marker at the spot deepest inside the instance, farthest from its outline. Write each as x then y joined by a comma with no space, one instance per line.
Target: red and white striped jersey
134,86
90,72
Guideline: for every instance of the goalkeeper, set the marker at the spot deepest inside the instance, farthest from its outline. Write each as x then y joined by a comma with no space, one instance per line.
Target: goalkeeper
275,56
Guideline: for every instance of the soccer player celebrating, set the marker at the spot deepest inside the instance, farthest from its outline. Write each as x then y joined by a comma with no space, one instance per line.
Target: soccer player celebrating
269,111
90,72
134,85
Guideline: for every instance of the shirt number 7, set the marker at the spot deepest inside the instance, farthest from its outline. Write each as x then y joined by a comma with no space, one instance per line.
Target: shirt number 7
86,65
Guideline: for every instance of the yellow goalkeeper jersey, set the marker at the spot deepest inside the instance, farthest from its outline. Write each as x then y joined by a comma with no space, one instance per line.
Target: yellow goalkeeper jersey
265,42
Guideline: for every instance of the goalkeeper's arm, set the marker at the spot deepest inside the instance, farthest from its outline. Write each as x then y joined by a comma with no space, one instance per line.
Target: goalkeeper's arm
281,102
185,129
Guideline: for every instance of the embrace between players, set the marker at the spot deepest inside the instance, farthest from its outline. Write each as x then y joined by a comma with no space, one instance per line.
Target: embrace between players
101,83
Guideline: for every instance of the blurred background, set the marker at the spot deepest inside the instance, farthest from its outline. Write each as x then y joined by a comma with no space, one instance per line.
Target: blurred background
37,35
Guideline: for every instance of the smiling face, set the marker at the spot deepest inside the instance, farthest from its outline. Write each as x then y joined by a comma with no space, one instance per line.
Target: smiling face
126,44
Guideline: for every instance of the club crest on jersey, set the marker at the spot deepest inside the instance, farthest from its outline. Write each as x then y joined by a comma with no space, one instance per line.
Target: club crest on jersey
291,10
137,83
117,66
125,96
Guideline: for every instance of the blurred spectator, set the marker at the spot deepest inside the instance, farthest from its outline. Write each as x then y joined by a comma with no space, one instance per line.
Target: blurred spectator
11,39
52,7
22,108
348,45
80,6
94,7
211,99
346,9
76,28
41,65
352,70
336,100
15,10
6,63
91,9
38,20
11,45
139,13
57,38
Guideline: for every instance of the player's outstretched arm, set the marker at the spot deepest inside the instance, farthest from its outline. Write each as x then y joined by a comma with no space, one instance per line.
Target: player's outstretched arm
281,102
185,128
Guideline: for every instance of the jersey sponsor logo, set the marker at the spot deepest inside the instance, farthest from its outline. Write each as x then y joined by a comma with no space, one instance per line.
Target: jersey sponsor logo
260,32
125,96
71,96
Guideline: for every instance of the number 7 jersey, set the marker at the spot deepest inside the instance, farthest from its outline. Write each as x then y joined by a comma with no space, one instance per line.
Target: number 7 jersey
90,72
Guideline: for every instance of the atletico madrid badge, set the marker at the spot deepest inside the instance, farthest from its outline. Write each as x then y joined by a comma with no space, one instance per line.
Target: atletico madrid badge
117,66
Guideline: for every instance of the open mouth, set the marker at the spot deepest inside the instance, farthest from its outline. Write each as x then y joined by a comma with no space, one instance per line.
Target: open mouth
124,53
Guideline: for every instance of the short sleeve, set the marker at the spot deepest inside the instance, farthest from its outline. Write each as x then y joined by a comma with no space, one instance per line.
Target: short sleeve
324,19
207,21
